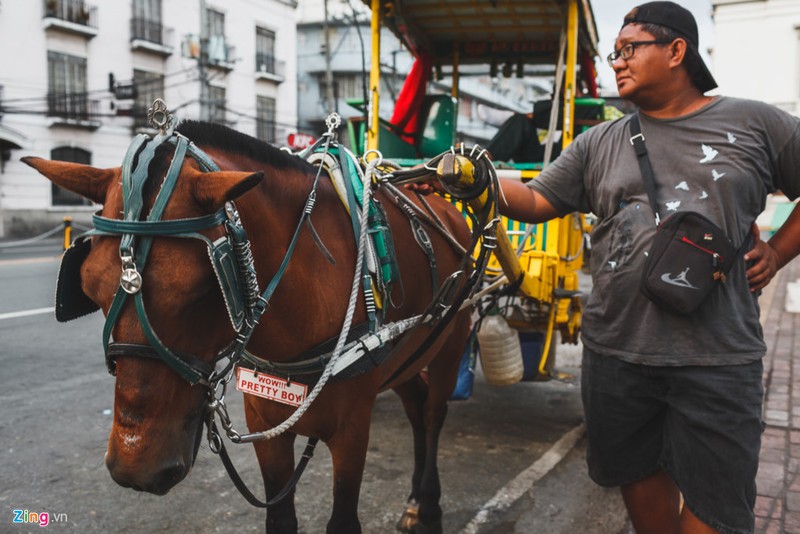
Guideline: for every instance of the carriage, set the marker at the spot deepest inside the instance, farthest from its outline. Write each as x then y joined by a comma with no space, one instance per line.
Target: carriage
220,260
537,265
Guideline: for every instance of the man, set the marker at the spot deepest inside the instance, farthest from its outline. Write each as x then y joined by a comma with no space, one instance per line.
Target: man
673,402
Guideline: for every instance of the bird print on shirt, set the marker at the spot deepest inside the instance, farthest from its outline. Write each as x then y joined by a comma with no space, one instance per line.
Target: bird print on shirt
731,138
708,153
717,175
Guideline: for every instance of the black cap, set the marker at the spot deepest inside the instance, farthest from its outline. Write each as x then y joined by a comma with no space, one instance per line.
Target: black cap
680,20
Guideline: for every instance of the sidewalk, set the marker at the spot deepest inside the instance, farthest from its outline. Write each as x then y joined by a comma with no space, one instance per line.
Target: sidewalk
778,502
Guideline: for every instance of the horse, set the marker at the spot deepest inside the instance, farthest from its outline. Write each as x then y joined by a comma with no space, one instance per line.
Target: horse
159,414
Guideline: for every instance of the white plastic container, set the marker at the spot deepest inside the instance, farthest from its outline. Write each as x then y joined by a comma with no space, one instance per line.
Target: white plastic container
500,351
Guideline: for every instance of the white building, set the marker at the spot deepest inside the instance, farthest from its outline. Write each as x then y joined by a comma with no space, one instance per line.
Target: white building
77,78
757,50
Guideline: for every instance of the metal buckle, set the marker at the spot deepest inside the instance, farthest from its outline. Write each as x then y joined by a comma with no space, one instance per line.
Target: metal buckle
130,281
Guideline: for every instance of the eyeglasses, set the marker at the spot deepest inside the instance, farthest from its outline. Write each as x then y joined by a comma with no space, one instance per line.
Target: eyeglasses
627,50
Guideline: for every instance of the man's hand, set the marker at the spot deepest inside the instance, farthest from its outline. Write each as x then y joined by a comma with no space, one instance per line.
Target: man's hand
425,188
765,263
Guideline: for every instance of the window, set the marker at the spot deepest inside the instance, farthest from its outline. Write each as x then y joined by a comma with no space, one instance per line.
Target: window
146,21
215,25
66,95
344,86
265,50
216,104
265,118
62,197
149,86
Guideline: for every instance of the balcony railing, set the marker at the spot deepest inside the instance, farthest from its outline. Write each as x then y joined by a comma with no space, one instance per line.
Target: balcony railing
147,30
74,11
267,64
72,106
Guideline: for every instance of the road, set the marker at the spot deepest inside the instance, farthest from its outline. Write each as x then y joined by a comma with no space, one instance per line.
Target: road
56,400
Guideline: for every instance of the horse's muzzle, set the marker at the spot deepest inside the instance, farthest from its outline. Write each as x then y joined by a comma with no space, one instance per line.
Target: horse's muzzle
157,481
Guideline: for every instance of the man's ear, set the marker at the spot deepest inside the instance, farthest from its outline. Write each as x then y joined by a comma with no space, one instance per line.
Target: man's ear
677,51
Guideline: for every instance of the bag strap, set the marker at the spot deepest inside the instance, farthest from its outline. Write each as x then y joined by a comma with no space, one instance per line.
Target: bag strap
637,140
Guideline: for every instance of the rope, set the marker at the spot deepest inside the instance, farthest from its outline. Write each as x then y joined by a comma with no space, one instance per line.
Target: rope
35,239
348,319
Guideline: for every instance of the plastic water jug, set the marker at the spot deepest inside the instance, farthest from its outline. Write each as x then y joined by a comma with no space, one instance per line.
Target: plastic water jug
500,351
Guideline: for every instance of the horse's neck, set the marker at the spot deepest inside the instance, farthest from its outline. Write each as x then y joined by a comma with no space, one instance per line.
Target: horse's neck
312,292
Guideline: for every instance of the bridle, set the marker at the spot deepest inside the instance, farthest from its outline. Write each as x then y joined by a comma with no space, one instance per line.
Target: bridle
230,255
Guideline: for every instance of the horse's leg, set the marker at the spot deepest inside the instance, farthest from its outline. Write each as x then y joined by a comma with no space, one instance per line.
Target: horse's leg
413,394
426,408
348,448
276,460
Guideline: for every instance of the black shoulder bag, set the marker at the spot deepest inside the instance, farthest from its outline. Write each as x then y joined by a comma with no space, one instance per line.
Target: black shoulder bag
690,255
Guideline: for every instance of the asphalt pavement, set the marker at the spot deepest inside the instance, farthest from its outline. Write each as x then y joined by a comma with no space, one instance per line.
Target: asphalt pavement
511,459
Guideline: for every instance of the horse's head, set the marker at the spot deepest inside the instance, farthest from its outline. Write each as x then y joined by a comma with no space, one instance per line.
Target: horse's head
160,401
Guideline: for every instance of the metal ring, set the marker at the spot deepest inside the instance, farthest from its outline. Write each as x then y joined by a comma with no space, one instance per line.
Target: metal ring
378,156
215,443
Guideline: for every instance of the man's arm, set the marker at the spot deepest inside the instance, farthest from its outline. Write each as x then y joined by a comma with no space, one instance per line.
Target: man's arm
521,203
517,201
768,257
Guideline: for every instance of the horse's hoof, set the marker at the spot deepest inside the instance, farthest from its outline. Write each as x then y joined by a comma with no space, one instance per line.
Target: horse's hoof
410,518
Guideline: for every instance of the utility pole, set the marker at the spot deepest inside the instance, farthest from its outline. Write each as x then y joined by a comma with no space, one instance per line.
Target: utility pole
326,32
202,61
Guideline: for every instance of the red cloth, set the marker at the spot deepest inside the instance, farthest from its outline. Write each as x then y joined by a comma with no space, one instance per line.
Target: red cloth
588,71
407,110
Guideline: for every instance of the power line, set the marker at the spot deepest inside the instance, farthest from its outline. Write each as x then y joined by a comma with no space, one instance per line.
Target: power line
99,92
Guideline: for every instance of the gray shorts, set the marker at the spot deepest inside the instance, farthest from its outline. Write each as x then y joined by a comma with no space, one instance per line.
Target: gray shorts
700,424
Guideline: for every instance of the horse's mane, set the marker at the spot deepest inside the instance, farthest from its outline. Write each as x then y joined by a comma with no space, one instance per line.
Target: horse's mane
220,136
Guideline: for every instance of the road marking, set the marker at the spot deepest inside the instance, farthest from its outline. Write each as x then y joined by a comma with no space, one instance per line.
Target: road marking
29,261
508,494
25,313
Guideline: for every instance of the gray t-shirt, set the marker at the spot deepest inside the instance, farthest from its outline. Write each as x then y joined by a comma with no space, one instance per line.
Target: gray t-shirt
721,161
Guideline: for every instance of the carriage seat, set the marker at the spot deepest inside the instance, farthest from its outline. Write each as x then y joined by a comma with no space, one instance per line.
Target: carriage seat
436,135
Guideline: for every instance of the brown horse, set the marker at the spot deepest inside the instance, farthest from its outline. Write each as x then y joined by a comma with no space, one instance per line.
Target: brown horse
159,415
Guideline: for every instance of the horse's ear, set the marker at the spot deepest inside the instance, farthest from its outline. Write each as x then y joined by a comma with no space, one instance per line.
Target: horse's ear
213,189
85,180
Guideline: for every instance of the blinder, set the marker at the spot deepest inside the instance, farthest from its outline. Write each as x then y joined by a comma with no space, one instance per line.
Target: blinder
226,267
71,301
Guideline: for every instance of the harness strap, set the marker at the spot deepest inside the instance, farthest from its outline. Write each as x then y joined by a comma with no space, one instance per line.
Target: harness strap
157,228
146,351
308,453
434,310
424,241
366,280
131,191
